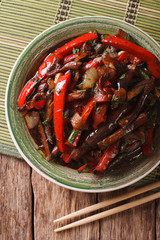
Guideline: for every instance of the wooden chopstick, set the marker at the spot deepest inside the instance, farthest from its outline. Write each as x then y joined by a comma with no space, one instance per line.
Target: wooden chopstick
110,212
109,202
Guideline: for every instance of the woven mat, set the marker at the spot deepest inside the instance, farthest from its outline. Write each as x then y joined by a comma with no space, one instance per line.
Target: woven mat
22,20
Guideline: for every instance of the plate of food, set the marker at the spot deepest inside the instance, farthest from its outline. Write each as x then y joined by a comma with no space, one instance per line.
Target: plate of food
82,104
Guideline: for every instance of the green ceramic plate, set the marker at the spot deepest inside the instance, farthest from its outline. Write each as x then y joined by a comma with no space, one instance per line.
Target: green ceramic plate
23,69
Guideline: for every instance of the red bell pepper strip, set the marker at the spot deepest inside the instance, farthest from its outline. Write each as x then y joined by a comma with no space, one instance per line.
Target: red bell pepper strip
147,146
45,66
70,57
92,63
82,168
110,153
26,91
66,156
77,42
143,54
64,50
59,104
40,104
126,57
91,104
99,114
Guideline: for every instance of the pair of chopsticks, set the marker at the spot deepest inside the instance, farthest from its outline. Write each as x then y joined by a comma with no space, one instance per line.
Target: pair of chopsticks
110,211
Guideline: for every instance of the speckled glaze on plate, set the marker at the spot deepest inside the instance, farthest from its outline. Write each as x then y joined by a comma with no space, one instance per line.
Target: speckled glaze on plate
24,65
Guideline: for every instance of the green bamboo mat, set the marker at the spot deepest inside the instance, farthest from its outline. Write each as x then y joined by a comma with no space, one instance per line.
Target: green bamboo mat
22,20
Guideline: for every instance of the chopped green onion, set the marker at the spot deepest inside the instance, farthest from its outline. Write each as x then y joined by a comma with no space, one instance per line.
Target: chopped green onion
128,37
72,136
122,76
75,50
106,52
38,80
80,90
57,90
104,144
45,122
156,62
144,74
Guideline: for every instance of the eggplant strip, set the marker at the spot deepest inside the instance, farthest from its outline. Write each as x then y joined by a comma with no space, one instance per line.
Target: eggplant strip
44,141
125,157
71,65
138,88
139,107
99,134
49,133
142,119
75,96
123,122
49,109
118,98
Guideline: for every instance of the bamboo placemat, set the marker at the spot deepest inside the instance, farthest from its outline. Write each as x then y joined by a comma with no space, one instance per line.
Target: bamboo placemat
22,20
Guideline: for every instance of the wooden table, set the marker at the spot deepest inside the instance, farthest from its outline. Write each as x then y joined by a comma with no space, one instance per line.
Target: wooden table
30,203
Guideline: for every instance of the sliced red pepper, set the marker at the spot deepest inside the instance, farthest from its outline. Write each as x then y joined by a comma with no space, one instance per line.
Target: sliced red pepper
59,104
92,63
143,54
107,157
147,146
126,57
99,114
77,42
91,104
26,91
82,168
70,57
64,50
40,104
47,64
66,156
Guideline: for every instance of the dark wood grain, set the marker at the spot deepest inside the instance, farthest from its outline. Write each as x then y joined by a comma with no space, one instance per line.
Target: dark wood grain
15,199
51,202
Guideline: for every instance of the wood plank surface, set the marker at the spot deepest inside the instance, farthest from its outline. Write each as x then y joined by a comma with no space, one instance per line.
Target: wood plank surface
26,215
51,202
15,199
136,223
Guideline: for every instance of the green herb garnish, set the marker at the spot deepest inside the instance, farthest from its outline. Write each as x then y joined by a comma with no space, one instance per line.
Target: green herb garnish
57,90
128,37
122,76
106,52
144,74
79,90
45,122
75,50
92,42
156,62
38,80
143,140
72,136
104,144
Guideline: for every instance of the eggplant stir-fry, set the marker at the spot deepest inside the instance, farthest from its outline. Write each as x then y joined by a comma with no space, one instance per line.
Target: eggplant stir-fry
93,101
